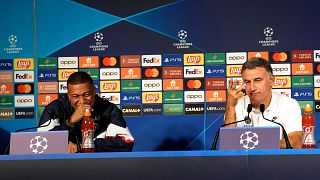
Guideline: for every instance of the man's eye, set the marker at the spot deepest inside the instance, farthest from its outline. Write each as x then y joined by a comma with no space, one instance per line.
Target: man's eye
86,95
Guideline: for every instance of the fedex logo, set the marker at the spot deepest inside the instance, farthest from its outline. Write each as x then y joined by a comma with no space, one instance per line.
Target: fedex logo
151,60
193,71
23,76
316,55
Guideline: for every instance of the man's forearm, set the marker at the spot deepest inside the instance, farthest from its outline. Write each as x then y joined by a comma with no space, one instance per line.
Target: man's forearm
230,115
295,139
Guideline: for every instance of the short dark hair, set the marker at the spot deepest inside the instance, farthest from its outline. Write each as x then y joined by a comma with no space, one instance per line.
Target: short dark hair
257,62
79,78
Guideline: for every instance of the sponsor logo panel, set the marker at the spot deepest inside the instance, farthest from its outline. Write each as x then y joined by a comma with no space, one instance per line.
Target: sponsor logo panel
130,73
64,74
47,75
215,108
282,82
6,64
317,106
23,64
130,85
151,60
130,98
316,68
48,63
45,99
97,86
193,59
236,57
286,92
152,72
234,70
216,96
173,97
193,96
194,84
6,101
303,104
172,72
24,88
109,73
302,69
302,94
67,62
152,85
173,109
24,113
281,69
63,87
302,81
6,89
6,114
47,87
23,76
261,54
151,97
24,101
172,84
215,71
109,86
316,55
216,83
301,56
88,62
193,71
279,57
131,110
151,109
215,58
316,81
316,94
191,109
94,73
238,79
112,97
110,61
130,60
172,60
6,76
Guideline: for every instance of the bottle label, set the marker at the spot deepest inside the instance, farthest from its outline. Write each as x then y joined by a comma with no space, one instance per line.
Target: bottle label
87,139
308,135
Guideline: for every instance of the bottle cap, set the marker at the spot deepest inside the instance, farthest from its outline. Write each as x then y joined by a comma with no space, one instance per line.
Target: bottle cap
87,113
307,108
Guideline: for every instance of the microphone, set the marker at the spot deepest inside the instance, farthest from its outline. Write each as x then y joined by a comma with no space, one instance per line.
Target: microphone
246,119
284,132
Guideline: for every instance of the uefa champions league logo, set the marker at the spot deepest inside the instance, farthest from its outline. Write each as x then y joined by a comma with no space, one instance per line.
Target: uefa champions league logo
38,144
182,44
249,140
12,49
268,40
99,46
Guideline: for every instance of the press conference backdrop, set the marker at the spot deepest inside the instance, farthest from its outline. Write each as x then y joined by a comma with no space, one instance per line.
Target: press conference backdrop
164,63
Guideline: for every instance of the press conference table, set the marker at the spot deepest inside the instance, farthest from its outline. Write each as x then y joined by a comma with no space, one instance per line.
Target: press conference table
227,164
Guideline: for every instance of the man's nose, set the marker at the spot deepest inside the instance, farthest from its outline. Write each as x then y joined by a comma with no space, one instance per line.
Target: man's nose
252,86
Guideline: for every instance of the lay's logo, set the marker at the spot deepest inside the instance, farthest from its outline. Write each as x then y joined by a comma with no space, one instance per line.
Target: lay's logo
109,86
151,97
23,64
234,70
282,82
64,74
193,59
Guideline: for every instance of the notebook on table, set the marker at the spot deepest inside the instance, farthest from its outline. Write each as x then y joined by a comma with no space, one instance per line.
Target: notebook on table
247,138
49,142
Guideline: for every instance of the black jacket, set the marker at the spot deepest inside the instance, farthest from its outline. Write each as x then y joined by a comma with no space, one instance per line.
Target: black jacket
111,131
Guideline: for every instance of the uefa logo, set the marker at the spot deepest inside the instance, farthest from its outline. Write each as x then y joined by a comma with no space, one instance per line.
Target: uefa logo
182,44
268,40
98,46
13,39
12,49
182,34
268,31
98,36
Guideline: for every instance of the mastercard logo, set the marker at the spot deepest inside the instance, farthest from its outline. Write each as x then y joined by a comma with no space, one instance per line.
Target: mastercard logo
151,73
280,56
109,61
194,84
24,88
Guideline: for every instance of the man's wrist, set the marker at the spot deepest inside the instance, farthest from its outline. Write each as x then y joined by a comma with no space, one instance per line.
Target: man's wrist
69,123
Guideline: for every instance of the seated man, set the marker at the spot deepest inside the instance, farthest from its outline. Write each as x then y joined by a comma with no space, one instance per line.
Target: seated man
111,131
258,81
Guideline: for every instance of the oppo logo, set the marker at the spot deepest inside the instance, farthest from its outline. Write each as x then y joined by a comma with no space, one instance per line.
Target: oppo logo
67,62
280,69
236,58
152,85
24,100
194,96
110,73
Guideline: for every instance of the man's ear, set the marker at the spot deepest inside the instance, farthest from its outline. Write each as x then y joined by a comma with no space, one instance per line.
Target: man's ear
272,79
